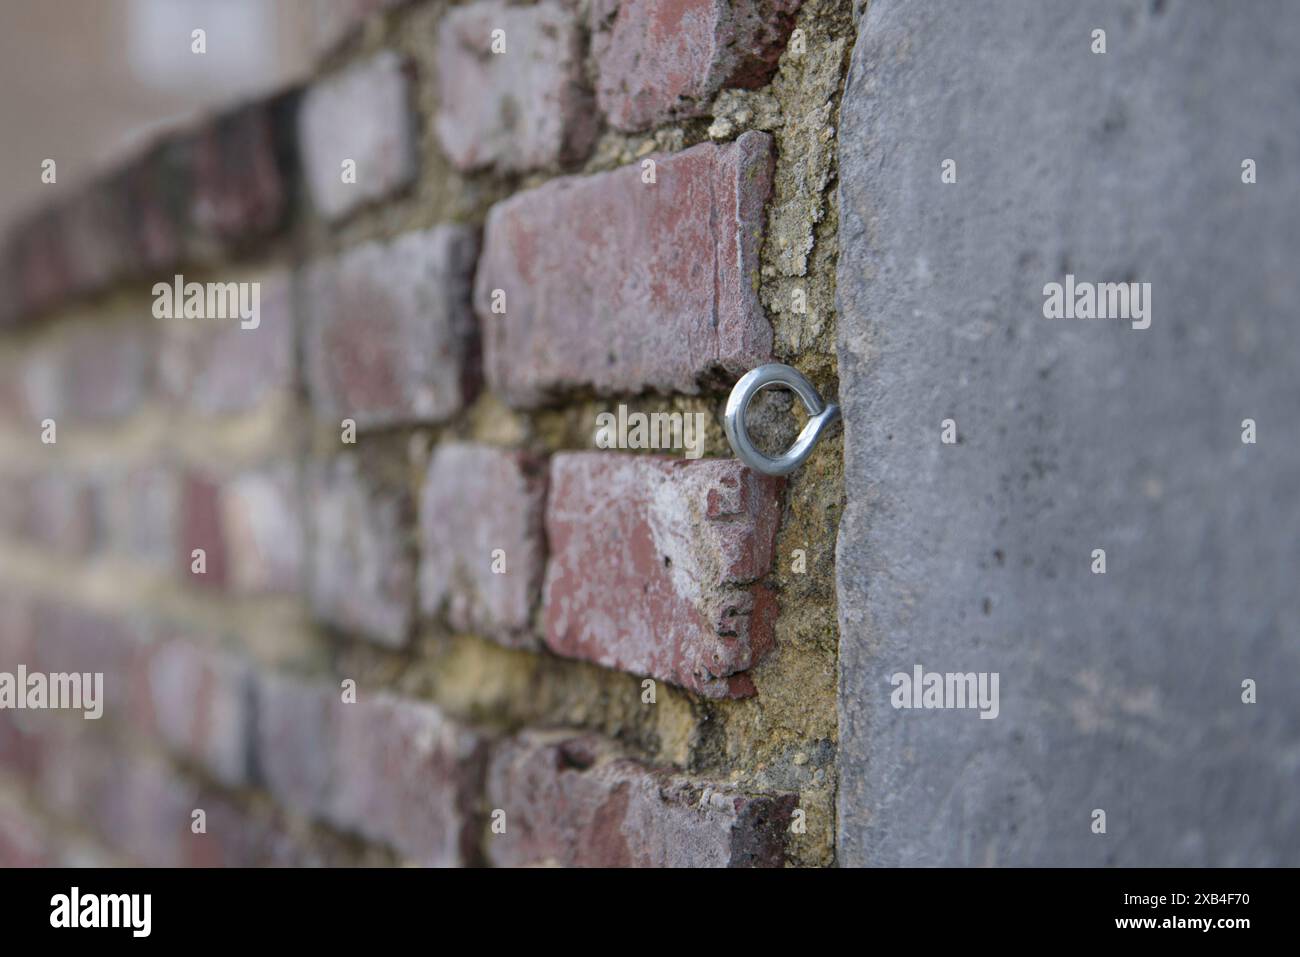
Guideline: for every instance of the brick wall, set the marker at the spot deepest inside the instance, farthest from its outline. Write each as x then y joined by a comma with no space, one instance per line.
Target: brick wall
430,622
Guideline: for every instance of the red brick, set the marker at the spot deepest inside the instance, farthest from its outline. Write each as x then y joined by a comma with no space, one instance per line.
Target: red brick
202,527
144,809
68,759
575,802
680,307
362,114
156,189
362,570
108,372
294,740
408,777
415,794
202,703
242,835
61,513
662,60
75,639
141,808
199,193
83,778
93,374
477,499
96,237
250,526
262,529
233,836
40,261
139,516
520,109
390,337
226,369
652,564
239,179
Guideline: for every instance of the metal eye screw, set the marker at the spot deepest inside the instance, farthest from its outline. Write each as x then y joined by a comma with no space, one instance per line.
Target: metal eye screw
764,377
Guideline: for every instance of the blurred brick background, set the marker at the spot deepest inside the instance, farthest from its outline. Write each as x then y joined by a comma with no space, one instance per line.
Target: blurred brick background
625,658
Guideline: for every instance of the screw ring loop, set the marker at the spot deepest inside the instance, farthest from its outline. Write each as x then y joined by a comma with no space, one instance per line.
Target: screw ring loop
767,376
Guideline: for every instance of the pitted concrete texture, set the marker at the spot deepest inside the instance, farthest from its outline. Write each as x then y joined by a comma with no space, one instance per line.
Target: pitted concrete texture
1119,691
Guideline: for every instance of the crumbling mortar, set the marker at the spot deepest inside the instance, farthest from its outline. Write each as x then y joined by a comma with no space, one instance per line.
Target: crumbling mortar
753,743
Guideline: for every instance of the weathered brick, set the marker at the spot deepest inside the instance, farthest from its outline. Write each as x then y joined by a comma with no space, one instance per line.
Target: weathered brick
520,109
141,808
416,798
96,237
92,374
240,834
391,338
201,527
652,564
239,177
157,189
575,802
223,369
68,759
362,570
363,115
233,835
202,704
475,501
249,525
294,740
661,60
198,193
74,639
61,513
108,373
678,306
262,528
40,260
407,776
138,513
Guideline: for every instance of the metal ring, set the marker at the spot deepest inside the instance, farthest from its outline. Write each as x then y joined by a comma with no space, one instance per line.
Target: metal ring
764,377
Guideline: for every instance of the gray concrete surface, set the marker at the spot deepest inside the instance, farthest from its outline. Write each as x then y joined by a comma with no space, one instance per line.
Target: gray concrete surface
1119,691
